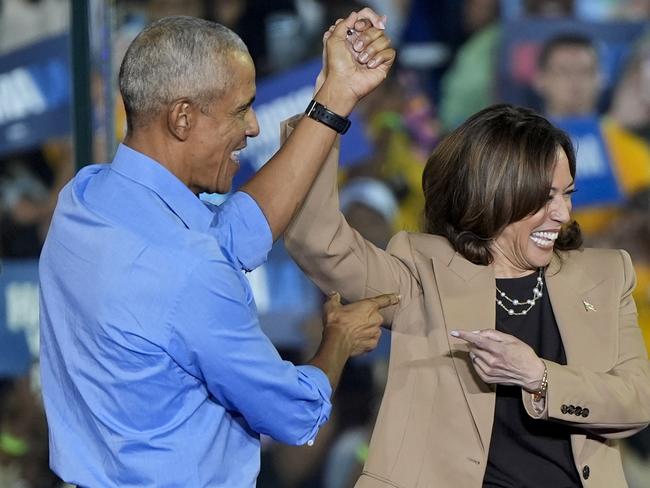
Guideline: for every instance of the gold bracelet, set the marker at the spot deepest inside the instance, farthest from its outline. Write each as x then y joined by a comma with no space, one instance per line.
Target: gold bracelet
543,386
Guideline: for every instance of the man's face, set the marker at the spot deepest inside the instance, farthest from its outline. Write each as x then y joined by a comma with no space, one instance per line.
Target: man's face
221,131
570,82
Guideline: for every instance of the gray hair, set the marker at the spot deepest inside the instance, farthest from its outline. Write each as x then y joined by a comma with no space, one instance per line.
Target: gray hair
172,58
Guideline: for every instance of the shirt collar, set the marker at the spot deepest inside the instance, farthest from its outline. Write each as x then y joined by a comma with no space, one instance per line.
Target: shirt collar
179,198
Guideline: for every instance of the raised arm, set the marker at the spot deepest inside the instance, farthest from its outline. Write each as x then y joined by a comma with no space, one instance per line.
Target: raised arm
336,257
280,186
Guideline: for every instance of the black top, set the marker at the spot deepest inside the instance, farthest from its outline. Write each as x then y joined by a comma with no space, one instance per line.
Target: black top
525,452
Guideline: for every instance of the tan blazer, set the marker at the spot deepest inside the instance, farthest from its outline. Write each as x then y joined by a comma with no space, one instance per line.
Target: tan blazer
435,420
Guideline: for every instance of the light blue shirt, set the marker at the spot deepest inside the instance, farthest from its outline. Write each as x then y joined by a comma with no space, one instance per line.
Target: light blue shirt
155,371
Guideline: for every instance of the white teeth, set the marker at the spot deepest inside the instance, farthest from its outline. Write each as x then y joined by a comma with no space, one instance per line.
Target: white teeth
546,235
541,242
235,156
544,239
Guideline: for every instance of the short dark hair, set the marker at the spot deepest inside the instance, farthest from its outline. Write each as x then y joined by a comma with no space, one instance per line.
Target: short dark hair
494,169
176,57
563,40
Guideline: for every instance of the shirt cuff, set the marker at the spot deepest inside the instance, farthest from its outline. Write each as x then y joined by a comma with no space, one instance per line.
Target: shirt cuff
316,377
251,234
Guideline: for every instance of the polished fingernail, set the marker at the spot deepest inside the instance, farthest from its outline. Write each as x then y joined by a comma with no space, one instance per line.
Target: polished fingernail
358,45
363,57
454,333
372,63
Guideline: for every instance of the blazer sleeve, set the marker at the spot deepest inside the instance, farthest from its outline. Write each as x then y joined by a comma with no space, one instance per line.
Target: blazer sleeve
617,402
336,257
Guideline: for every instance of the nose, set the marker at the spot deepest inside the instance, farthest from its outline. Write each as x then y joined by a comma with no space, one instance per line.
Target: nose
252,126
560,210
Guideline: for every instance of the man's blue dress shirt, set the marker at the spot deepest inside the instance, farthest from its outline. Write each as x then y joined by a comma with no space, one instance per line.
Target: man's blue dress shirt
155,372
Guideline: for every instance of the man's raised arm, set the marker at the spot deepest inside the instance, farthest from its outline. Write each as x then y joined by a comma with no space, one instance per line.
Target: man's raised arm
352,71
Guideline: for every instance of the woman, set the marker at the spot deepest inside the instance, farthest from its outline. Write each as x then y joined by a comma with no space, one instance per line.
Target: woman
516,358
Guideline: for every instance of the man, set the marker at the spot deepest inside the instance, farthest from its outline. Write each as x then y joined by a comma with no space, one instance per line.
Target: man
154,369
613,163
569,79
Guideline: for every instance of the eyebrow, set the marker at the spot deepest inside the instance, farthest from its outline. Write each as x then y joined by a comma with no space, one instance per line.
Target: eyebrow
247,104
573,182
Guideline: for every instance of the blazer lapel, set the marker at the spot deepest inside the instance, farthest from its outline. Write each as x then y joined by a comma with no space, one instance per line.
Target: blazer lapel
582,309
467,294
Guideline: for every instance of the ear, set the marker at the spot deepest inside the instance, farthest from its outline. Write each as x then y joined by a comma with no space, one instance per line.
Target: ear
180,118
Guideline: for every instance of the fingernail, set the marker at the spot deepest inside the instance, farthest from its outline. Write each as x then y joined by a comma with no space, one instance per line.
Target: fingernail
372,63
454,333
476,331
363,57
358,45
381,25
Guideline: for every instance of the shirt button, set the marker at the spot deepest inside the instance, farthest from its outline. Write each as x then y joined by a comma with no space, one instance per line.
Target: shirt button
585,472
578,411
571,409
585,412
563,408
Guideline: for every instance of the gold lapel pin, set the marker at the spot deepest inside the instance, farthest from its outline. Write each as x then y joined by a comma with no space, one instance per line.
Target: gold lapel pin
588,306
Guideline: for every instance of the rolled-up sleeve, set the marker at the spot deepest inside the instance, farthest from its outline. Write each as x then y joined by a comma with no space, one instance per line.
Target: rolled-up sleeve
215,336
242,230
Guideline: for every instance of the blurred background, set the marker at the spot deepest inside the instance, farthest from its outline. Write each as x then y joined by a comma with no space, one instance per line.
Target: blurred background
583,63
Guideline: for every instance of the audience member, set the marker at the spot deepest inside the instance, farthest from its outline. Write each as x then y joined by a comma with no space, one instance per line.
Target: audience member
570,84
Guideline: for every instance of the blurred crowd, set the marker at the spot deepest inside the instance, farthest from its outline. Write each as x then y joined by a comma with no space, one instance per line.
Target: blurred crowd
451,63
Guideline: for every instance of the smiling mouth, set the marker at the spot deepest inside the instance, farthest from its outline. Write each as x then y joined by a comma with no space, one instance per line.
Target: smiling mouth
544,240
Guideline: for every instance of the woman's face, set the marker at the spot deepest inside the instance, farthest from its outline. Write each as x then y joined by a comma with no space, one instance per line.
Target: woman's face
527,244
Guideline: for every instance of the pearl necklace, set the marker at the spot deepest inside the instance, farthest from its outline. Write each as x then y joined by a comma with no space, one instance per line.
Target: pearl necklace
537,294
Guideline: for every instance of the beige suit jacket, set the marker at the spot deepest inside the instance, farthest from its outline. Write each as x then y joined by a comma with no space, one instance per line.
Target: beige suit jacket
435,420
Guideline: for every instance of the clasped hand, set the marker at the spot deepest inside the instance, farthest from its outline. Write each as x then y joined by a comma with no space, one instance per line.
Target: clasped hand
503,359
355,64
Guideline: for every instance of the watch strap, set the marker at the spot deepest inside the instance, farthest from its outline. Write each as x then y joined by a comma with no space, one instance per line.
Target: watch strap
322,114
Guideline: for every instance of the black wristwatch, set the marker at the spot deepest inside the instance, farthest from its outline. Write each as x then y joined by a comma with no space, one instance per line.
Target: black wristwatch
325,116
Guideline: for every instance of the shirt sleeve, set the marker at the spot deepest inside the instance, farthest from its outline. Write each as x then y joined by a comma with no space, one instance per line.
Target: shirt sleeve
242,230
215,336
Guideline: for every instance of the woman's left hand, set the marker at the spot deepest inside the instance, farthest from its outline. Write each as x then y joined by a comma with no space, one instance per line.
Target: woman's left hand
503,359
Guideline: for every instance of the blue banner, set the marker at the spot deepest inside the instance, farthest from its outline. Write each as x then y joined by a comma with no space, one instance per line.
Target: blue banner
34,94
595,178
18,316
